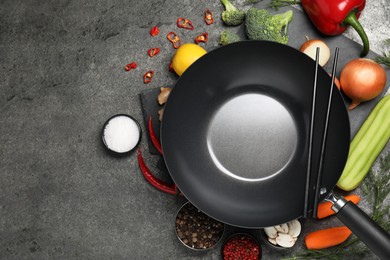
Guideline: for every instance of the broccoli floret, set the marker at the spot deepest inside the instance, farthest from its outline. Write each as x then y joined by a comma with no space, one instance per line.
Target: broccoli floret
231,15
229,37
261,25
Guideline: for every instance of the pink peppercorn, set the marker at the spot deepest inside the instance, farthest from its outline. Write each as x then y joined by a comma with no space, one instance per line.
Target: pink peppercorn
241,247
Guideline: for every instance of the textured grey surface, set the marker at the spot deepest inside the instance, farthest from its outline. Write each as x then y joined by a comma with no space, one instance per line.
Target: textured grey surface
61,195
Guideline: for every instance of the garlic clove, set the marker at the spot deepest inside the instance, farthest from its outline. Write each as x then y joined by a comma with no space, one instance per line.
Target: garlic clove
294,228
285,240
271,232
272,241
282,228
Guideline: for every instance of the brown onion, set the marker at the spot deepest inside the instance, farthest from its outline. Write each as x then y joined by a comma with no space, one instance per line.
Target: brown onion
362,80
336,82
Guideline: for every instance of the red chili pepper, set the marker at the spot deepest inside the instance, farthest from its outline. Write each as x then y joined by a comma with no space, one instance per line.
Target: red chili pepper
153,51
332,17
156,143
130,66
148,76
154,31
208,17
174,39
184,23
204,37
153,180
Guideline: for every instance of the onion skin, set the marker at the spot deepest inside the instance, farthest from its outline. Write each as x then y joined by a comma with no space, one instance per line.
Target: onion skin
336,82
362,80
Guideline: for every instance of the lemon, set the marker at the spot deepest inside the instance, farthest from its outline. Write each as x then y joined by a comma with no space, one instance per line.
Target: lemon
185,55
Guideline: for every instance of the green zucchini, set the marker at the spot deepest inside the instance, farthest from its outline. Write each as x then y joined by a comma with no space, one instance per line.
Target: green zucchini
367,144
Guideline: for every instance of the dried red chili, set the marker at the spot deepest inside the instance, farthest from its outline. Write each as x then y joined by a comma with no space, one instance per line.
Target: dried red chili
130,66
155,141
154,31
184,23
208,17
154,181
241,246
148,76
204,37
174,39
153,51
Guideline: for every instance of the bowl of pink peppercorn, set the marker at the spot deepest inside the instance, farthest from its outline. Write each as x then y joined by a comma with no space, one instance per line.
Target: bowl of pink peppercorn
241,246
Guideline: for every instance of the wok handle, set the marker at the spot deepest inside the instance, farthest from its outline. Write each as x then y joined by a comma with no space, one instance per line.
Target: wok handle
366,229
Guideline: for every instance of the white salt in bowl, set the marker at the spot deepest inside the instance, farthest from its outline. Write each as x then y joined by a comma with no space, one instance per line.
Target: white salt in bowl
121,133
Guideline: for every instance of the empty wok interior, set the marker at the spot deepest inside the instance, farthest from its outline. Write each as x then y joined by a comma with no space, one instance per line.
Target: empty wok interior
236,129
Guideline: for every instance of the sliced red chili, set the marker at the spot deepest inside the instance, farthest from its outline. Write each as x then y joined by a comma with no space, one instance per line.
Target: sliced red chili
208,17
153,180
170,66
155,141
184,23
204,37
174,39
148,76
153,51
130,66
154,31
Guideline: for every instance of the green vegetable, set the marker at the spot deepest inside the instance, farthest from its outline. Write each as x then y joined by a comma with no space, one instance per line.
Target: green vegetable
229,37
262,25
376,187
385,57
366,145
231,15
281,3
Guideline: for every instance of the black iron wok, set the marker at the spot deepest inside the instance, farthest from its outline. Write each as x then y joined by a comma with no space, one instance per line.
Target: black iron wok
235,138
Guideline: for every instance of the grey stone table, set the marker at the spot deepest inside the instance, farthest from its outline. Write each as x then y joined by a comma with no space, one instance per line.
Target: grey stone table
61,195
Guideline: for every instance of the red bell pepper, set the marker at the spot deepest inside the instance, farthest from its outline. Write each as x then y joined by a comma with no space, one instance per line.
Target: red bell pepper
331,17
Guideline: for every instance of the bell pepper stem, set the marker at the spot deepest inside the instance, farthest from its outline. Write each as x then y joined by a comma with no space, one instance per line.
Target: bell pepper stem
352,20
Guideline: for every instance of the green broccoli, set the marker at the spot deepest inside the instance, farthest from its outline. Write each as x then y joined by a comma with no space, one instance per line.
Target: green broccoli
262,25
231,15
229,37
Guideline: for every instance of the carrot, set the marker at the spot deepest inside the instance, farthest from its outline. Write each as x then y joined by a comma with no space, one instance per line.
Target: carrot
325,208
327,237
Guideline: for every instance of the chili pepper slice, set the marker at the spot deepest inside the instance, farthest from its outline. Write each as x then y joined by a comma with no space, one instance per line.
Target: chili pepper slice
170,68
148,76
130,66
208,17
153,51
174,39
156,143
153,180
154,31
204,37
184,23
